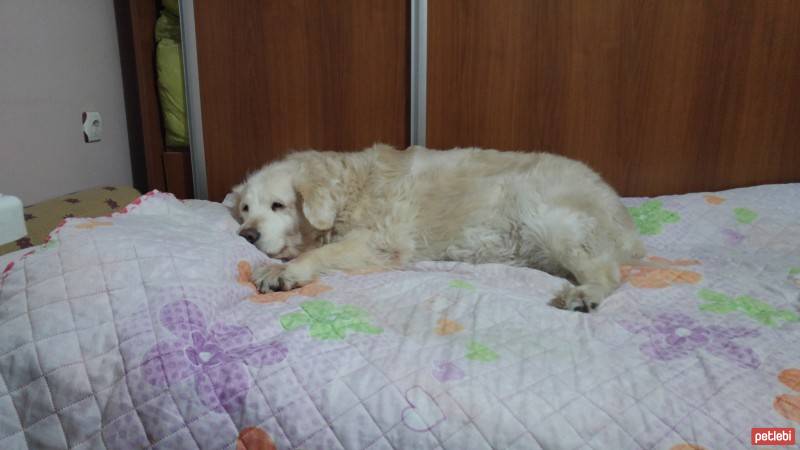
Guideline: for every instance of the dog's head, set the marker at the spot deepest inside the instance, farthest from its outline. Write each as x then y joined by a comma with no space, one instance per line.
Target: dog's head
281,206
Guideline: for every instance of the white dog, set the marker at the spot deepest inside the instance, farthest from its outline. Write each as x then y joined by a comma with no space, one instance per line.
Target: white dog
384,208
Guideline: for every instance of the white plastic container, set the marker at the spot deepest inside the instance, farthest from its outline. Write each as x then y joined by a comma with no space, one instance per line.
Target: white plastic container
12,219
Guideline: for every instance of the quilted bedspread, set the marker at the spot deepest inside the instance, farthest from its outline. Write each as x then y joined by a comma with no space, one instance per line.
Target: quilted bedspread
143,330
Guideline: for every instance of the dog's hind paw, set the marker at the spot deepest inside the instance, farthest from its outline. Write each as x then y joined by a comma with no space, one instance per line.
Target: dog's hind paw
575,298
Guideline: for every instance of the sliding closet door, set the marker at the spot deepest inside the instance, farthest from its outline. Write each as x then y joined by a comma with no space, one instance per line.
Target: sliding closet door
660,96
277,75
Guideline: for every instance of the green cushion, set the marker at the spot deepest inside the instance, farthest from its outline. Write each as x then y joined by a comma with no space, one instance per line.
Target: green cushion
169,67
171,6
169,71
168,26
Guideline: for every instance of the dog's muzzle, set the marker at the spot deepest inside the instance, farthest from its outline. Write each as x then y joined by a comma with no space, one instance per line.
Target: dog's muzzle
251,234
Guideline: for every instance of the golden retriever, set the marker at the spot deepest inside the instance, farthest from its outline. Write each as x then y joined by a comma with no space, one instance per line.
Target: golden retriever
384,208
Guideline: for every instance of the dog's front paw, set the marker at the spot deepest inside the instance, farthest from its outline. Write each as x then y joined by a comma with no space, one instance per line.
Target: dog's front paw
279,277
574,298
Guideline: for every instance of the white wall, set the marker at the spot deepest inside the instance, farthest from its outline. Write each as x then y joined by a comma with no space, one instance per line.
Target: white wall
59,58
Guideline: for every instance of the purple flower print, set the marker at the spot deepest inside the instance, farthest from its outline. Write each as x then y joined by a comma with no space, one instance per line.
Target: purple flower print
732,237
675,335
215,356
445,371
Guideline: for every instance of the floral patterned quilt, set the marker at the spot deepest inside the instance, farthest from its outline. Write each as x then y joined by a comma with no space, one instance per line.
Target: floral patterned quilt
143,330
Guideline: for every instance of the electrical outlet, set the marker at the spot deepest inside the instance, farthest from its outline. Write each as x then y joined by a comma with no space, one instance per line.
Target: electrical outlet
92,126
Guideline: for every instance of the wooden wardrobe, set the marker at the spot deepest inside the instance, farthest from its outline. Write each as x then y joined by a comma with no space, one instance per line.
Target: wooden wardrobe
660,96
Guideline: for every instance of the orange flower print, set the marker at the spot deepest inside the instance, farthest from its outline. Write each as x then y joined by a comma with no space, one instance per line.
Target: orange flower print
657,277
791,378
92,224
713,199
245,273
789,405
447,327
254,438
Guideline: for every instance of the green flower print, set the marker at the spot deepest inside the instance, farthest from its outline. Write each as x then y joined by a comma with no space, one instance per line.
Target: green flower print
461,284
649,217
756,309
480,352
328,320
744,215
794,276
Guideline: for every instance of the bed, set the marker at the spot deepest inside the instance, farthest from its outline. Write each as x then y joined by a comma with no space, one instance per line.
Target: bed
143,330
42,217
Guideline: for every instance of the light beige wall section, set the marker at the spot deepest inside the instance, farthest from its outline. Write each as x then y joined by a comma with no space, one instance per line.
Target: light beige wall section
57,59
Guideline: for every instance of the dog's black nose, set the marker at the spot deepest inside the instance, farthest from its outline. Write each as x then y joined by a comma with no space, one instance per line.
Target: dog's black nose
251,234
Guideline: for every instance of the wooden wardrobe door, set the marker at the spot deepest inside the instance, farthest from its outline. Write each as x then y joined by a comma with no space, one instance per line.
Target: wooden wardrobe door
659,96
278,75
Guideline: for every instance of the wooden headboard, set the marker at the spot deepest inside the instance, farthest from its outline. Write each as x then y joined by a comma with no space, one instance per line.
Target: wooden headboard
661,97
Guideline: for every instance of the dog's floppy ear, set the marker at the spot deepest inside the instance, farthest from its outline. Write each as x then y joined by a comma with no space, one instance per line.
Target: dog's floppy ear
233,200
318,204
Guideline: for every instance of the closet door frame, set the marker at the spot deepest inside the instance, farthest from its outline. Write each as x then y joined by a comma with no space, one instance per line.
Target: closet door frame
194,114
419,72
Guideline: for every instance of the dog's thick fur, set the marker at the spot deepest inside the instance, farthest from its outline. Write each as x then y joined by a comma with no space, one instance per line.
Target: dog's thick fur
384,208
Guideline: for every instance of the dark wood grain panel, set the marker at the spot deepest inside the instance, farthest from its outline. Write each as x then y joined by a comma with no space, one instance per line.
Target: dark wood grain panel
178,171
659,96
281,75
136,20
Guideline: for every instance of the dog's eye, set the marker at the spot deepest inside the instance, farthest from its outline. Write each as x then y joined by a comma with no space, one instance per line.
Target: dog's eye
276,206
245,208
